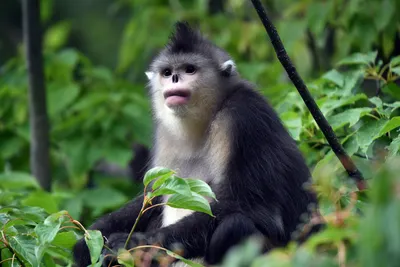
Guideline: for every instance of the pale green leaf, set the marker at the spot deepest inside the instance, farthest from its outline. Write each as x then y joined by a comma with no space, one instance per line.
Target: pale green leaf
350,116
200,187
335,77
196,203
41,199
376,101
17,180
65,240
173,185
369,132
60,97
359,59
24,245
395,62
292,121
396,70
394,123
394,147
95,243
155,173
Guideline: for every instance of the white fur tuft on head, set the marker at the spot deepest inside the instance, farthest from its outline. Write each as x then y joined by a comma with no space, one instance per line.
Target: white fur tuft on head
228,64
149,74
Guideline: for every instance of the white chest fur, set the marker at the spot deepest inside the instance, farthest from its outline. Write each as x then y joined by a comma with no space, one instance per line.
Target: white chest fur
172,215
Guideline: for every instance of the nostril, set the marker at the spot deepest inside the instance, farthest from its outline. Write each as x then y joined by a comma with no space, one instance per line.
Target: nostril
175,78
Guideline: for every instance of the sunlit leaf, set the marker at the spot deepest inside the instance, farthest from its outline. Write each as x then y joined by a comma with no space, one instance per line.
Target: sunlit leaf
200,187
173,185
195,202
155,173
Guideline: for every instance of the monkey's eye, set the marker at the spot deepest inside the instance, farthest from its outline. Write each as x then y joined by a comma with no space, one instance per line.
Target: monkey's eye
190,69
167,72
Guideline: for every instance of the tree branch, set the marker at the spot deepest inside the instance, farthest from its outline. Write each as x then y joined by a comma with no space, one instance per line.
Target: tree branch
323,124
39,126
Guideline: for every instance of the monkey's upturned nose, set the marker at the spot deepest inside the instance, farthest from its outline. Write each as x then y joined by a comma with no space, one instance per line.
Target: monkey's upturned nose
175,78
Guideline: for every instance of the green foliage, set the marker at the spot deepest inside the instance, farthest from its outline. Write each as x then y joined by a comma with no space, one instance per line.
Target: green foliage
96,113
32,235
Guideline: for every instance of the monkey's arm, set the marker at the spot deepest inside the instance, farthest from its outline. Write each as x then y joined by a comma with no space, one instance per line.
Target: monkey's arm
118,221
200,235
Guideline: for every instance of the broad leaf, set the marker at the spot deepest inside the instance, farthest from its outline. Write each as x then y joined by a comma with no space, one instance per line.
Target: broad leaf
155,173
369,132
196,203
173,185
350,116
359,59
48,230
95,244
24,245
17,180
200,187
394,147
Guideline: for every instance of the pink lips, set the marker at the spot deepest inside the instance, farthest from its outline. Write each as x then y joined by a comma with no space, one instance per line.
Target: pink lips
176,97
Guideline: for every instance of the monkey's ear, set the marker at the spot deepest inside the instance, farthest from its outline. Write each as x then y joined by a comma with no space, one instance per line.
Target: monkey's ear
149,74
228,67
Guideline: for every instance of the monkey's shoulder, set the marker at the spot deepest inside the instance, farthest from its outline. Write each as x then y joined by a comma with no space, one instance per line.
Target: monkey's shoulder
249,110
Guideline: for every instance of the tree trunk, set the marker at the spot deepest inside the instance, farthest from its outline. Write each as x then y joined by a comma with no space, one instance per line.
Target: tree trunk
39,125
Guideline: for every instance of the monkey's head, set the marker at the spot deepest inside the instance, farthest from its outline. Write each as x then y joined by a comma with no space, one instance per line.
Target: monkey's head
189,76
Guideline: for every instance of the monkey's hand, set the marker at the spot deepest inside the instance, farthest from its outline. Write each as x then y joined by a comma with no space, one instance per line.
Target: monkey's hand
143,250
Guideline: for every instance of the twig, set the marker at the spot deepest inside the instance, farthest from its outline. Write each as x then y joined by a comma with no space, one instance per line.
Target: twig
323,124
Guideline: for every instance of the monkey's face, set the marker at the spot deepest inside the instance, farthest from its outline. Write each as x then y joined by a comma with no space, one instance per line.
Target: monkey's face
184,85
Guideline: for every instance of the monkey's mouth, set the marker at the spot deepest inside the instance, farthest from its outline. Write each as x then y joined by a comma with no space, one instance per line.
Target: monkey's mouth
176,97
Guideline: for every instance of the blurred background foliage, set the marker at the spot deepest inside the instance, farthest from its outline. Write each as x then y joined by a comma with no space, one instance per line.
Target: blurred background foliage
96,52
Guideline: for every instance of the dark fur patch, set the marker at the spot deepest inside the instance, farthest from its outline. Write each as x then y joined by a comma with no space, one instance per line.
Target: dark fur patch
185,39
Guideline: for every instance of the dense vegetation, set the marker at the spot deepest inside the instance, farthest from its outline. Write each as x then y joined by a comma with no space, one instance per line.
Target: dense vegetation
347,51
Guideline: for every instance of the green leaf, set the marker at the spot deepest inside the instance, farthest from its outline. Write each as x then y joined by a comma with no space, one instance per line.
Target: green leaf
95,243
188,262
61,96
200,187
24,245
390,125
48,230
155,173
395,62
17,180
376,101
384,14
173,185
394,147
375,129
65,240
359,59
57,35
41,199
196,203
95,199
350,116
335,77
292,121
125,257
396,70
392,89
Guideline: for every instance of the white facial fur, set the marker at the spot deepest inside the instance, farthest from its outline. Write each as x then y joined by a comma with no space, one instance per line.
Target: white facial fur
203,86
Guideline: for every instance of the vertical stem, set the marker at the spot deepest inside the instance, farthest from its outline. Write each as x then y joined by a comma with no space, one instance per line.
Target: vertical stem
38,120
323,124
